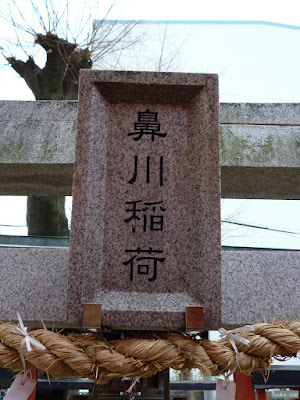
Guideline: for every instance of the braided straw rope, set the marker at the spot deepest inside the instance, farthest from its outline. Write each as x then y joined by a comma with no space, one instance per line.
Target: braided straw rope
91,356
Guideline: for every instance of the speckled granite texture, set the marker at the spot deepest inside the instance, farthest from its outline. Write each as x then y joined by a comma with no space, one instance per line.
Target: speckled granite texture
34,283
146,138
259,146
258,285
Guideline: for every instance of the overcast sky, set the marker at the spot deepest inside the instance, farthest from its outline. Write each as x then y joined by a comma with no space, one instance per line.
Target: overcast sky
284,12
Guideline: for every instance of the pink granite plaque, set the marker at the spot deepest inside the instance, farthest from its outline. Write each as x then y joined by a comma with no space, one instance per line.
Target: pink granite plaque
145,234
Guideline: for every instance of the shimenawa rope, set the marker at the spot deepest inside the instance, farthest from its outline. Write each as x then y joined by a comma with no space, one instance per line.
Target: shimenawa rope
92,356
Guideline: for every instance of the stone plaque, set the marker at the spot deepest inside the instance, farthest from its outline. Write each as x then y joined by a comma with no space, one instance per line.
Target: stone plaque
145,233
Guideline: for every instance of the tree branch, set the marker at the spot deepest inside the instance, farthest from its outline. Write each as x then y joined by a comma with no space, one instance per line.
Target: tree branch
79,59
23,68
29,71
51,41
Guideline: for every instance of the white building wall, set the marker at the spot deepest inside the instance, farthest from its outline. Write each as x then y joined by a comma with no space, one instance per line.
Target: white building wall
256,61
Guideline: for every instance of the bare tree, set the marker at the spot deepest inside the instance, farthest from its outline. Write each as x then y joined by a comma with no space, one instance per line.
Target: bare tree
167,56
70,42
155,50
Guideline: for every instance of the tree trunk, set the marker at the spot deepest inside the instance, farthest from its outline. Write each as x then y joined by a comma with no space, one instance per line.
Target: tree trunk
46,216
58,80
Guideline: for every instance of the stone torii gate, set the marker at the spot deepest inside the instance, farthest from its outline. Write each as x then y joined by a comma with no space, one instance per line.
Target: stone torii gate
259,153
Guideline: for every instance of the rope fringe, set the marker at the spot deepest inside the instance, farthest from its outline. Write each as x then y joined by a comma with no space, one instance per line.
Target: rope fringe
91,356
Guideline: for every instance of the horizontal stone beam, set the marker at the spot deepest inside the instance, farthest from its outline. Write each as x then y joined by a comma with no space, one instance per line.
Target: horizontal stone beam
34,283
259,149
260,113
